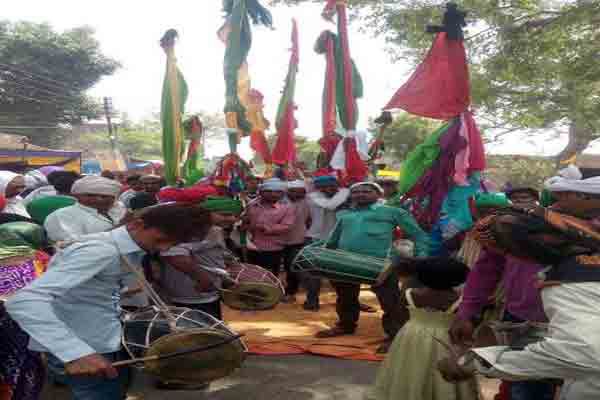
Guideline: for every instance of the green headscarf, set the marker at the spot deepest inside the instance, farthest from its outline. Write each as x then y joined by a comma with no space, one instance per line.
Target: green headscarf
495,200
222,204
40,208
20,239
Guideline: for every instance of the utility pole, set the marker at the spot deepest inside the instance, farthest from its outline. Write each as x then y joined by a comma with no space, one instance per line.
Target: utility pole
108,110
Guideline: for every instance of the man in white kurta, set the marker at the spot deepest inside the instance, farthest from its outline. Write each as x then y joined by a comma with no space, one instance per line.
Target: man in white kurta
96,210
570,352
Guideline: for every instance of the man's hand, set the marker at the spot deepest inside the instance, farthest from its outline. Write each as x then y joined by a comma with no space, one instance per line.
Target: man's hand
461,332
92,365
452,372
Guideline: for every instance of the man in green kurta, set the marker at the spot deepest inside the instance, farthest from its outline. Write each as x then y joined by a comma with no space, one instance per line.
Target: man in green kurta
368,229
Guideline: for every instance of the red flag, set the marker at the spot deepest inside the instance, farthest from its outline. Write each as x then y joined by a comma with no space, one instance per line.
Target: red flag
284,152
439,88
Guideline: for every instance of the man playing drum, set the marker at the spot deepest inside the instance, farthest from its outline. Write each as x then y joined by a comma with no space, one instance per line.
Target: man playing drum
72,313
367,229
187,278
327,198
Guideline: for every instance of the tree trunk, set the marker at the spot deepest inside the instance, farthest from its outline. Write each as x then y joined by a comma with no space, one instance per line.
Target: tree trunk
579,139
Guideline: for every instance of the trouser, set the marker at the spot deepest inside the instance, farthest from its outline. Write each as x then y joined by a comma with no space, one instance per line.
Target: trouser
312,284
292,277
212,308
95,388
270,260
529,390
348,306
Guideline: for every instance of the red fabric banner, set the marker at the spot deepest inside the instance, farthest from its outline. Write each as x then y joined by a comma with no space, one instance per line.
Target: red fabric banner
476,149
356,168
329,92
439,88
284,152
350,122
258,143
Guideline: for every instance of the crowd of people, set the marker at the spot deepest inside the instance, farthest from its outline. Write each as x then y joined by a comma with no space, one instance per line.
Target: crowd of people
63,238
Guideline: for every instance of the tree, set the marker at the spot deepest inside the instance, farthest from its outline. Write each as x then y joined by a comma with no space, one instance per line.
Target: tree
307,151
519,171
44,76
405,133
534,63
142,139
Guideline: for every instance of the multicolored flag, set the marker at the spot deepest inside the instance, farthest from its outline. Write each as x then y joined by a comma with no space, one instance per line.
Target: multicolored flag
236,33
343,85
174,96
284,152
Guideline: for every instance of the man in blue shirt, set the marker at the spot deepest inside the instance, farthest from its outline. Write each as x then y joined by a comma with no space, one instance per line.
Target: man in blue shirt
367,229
72,313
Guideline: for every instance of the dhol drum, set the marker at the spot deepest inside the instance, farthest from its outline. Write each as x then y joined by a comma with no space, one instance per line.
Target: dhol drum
339,265
253,288
154,332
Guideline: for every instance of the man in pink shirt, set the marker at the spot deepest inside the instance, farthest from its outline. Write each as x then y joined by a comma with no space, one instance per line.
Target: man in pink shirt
296,235
269,220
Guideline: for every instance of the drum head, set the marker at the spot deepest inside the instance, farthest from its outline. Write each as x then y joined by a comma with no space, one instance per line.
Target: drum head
198,367
252,296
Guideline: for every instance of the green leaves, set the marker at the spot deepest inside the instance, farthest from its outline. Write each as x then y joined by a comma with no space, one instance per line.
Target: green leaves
43,78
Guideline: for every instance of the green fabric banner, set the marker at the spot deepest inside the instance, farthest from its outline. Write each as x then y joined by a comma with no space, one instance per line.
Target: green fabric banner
174,96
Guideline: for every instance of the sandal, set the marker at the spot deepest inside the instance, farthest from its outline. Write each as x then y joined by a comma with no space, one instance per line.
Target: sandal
333,332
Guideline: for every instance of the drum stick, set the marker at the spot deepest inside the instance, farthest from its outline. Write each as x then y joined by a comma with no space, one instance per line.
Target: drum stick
126,363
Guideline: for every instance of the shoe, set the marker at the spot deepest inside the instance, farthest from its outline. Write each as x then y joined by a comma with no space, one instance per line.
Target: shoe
367,308
311,306
289,299
333,332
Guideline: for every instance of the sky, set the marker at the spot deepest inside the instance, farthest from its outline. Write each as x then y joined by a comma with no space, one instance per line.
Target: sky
129,31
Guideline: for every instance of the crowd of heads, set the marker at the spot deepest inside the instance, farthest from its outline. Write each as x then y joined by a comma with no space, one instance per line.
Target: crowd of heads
568,190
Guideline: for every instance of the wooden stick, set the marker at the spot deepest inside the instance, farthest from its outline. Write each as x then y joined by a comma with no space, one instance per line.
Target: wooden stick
177,353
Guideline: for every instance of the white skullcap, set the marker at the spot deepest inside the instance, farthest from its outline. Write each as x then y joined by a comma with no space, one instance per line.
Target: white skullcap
34,179
92,184
372,184
297,184
569,180
5,178
274,184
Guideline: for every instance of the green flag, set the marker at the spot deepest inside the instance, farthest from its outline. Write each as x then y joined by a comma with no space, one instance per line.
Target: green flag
174,96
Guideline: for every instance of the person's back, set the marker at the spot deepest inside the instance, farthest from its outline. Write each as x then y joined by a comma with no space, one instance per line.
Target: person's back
71,222
431,308
208,253
91,307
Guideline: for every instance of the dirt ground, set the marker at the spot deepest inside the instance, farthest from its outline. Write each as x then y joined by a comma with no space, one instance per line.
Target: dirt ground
274,378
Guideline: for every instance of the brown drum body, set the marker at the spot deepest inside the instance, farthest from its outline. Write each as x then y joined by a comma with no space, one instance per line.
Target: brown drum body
153,332
255,288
